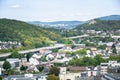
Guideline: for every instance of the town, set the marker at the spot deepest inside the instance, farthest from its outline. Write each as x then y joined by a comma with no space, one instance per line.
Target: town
92,56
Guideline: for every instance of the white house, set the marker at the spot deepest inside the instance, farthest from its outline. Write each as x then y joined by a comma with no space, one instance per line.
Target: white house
0,70
15,62
37,55
27,77
33,61
103,68
64,75
92,71
113,64
49,57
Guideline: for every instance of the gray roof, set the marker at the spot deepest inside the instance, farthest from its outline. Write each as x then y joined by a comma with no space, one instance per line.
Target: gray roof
22,77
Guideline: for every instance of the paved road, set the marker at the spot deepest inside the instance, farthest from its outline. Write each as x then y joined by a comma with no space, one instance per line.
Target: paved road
78,36
34,50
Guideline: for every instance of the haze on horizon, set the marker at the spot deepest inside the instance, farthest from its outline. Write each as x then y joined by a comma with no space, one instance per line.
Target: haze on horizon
58,10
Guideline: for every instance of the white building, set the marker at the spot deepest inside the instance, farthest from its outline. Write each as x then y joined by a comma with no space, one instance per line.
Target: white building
64,75
15,62
27,77
33,61
92,71
113,64
103,68
0,70
49,57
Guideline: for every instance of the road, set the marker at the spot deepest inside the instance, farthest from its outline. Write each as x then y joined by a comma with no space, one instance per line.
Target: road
78,36
34,50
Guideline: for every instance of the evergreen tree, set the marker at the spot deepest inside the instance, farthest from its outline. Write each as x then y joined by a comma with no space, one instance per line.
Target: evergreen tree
6,65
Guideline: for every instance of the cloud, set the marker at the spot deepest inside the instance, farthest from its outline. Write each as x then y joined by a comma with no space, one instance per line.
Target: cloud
15,6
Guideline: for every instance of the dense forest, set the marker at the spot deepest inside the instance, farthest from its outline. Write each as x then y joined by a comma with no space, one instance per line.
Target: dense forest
30,36
100,25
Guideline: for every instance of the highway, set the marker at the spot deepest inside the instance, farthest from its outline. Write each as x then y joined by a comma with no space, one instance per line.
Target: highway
34,50
78,36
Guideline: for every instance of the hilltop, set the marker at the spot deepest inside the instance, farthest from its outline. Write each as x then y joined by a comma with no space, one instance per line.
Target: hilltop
97,24
111,17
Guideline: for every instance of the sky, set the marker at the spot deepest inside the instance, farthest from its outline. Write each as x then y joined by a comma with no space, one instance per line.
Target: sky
58,10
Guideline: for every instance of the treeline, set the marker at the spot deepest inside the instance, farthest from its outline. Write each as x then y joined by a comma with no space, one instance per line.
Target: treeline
89,61
101,25
30,36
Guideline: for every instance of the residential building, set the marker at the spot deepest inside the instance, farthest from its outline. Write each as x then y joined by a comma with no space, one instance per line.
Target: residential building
27,77
103,68
64,75
92,71
0,70
15,62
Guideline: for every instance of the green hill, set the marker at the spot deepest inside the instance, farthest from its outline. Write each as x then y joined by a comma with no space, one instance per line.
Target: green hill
97,24
30,36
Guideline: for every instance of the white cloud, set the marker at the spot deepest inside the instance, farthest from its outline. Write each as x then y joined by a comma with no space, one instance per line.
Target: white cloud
15,6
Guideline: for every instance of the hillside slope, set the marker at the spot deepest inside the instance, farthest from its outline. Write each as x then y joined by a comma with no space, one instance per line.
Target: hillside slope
97,24
30,36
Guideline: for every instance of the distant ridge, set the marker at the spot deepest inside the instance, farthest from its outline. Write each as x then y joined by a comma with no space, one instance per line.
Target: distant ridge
58,24
111,17
71,24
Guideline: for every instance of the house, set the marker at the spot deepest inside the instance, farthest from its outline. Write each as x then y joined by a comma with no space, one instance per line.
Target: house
24,62
63,60
0,70
94,51
32,68
27,77
49,57
34,61
67,48
15,62
92,71
113,63
88,53
45,51
76,69
103,68
60,55
37,55
64,75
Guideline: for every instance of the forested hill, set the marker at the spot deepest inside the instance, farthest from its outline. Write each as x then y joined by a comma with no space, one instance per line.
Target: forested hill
30,35
98,24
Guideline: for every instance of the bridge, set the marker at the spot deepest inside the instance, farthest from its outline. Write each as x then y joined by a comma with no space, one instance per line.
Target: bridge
82,36
34,50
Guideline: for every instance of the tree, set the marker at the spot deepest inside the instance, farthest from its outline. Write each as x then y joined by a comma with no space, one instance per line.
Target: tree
23,68
28,57
98,59
54,70
52,77
14,54
55,50
6,65
43,58
114,51
83,52
101,47
113,46
0,77
41,68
